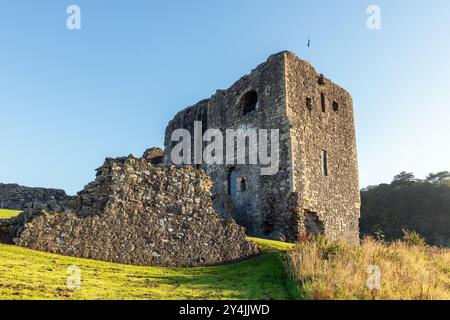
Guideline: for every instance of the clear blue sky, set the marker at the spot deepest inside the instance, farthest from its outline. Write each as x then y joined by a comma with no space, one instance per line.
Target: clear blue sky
68,99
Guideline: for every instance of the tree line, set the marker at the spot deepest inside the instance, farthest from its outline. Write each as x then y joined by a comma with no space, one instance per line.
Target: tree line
408,203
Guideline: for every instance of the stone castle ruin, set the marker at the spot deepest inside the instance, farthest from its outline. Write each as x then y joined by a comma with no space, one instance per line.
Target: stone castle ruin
135,212
316,188
148,211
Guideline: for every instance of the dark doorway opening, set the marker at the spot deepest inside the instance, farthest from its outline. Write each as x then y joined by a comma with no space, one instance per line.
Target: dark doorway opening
313,225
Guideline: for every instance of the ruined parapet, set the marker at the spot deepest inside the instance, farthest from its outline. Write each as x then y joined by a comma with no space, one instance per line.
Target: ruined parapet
12,227
154,155
16,197
141,214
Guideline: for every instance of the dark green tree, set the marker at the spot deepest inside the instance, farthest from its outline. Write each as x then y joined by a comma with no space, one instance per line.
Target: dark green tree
408,204
404,177
442,177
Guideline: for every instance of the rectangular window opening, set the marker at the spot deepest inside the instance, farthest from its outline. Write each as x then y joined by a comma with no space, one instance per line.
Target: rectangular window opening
324,163
232,176
309,104
322,100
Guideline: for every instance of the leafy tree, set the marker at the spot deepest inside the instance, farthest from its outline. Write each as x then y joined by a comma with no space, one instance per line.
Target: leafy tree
442,177
403,177
410,204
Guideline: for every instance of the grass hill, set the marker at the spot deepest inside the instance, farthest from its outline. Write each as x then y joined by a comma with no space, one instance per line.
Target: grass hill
28,274
321,269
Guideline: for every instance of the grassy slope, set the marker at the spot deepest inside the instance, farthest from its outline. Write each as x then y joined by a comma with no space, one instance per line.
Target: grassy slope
327,270
27,274
5,213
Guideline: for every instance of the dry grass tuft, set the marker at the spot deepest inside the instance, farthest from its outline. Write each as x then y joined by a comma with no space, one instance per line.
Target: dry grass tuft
329,270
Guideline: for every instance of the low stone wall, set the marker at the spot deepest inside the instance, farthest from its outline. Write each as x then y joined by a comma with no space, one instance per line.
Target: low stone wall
16,197
138,213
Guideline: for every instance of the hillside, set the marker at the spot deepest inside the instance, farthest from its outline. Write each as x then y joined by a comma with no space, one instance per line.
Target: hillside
28,274
322,269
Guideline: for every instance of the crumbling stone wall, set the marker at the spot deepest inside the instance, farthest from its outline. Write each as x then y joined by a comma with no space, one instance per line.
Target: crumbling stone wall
16,197
154,155
138,213
289,99
11,228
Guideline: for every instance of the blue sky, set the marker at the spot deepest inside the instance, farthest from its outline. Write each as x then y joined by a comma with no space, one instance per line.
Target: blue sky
68,99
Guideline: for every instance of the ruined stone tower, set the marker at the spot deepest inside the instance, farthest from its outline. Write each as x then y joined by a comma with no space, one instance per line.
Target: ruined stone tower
315,190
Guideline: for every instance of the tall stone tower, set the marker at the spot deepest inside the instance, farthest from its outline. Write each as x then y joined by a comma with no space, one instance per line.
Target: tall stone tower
315,190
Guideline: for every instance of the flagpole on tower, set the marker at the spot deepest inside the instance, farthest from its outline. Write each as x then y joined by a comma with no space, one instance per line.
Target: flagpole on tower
309,49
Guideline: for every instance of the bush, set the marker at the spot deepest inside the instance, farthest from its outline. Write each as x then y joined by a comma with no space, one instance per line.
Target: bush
412,238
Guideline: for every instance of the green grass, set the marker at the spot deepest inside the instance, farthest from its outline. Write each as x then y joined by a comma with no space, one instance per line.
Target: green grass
28,274
6,213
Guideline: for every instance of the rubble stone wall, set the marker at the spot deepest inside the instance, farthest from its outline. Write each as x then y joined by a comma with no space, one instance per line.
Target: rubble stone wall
138,213
16,197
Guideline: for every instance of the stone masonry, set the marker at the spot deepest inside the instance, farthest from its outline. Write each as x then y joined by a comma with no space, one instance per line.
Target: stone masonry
136,212
316,189
16,197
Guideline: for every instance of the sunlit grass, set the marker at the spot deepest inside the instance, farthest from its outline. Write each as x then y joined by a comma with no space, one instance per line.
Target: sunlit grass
6,213
28,274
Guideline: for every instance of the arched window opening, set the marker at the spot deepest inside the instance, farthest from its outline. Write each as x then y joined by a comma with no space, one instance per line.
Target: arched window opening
249,101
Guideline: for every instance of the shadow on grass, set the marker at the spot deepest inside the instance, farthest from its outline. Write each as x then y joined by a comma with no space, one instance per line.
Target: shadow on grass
260,278
263,277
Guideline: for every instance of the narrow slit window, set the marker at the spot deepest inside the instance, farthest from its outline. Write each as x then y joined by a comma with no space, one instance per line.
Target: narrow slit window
322,101
243,185
324,163
203,117
309,105
232,182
